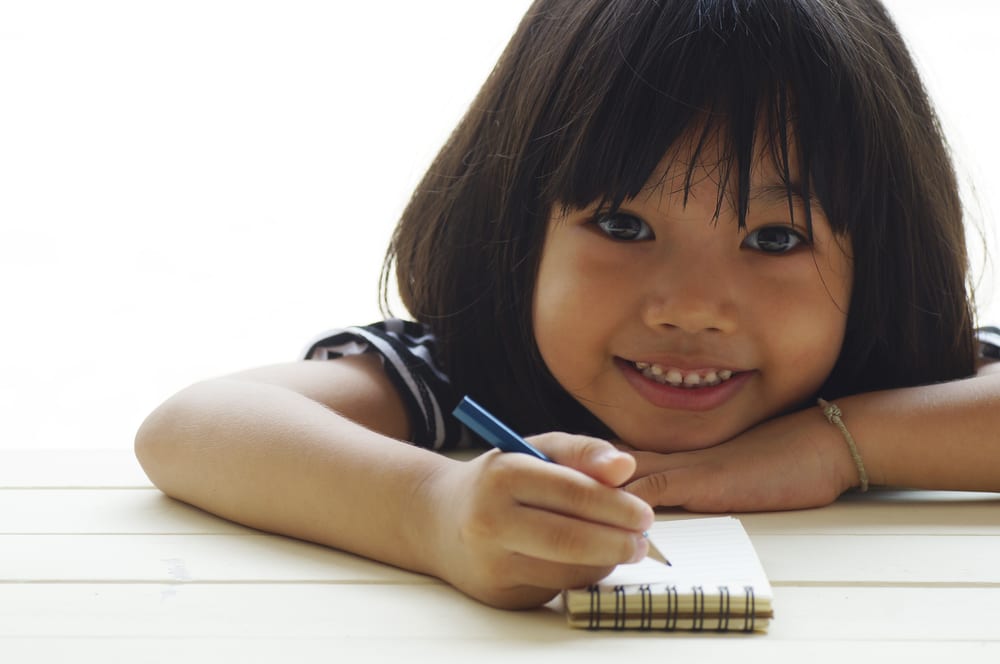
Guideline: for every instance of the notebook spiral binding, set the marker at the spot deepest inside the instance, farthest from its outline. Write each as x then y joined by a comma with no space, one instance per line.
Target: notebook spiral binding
645,596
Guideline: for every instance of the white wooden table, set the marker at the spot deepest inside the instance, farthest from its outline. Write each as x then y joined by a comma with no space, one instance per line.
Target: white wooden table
98,566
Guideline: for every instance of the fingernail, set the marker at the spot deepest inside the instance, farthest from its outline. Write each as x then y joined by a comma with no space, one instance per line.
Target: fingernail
648,519
641,548
608,456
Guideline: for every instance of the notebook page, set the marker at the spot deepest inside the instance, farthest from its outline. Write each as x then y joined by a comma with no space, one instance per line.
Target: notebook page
707,552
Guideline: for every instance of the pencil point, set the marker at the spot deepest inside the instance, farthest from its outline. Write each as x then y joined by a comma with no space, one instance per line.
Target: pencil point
655,553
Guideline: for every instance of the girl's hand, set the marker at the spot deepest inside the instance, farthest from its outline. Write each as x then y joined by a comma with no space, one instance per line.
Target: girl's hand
512,530
791,462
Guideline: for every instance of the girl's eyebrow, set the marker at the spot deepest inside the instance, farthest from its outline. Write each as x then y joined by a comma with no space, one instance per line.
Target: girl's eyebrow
779,192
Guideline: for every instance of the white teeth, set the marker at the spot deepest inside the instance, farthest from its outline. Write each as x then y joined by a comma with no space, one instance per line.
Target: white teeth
678,378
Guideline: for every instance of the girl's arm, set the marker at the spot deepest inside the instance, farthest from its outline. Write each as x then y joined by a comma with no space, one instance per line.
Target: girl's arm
312,450
941,436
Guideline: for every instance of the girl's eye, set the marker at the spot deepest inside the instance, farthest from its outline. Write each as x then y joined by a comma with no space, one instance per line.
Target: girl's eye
773,239
624,227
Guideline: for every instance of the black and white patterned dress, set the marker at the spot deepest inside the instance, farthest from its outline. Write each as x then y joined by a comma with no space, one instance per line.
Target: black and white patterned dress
407,352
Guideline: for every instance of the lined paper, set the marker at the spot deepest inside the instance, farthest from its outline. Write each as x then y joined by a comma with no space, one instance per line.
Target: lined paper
707,552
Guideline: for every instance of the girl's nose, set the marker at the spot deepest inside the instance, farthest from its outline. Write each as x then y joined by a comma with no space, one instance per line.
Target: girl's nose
691,300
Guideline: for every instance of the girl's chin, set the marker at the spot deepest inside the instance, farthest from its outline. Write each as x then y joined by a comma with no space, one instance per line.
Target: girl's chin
679,438
667,432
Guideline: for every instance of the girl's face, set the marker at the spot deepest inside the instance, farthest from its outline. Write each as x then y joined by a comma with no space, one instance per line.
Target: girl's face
680,333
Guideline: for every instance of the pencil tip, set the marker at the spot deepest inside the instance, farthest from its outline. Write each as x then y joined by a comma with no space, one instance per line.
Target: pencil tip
656,554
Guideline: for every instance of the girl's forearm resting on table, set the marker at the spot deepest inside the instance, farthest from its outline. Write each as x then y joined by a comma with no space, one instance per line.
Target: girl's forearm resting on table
943,436
271,458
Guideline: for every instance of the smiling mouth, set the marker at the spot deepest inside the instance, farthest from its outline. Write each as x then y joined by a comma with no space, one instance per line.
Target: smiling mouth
675,377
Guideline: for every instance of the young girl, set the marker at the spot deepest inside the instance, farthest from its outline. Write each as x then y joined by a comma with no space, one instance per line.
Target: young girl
660,233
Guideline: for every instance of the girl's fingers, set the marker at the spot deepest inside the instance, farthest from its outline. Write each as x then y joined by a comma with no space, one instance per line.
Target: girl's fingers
670,480
593,457
647,463
656,489
552,537
565,491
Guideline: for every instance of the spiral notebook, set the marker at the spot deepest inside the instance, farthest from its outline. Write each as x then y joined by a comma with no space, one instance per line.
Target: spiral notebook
715,583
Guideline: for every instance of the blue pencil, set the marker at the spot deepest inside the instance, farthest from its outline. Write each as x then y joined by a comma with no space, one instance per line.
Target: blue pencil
500,436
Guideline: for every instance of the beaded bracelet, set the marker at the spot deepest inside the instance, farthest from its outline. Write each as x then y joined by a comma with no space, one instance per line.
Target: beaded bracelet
833,414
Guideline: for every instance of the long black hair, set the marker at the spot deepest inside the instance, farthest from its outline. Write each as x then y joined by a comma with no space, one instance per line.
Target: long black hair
585,102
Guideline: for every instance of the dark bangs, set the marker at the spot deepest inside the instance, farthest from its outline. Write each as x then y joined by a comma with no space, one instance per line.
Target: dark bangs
748,78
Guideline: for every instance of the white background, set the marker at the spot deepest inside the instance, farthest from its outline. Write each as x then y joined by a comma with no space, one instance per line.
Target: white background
188,188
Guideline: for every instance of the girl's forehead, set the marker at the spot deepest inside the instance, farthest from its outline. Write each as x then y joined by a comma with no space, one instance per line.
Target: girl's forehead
694,168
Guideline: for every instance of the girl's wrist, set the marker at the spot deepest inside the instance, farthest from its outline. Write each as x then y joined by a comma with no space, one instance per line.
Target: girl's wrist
834,415
432,505
833,450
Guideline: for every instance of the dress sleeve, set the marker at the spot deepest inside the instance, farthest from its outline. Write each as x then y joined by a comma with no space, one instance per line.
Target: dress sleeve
989,342
407,353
